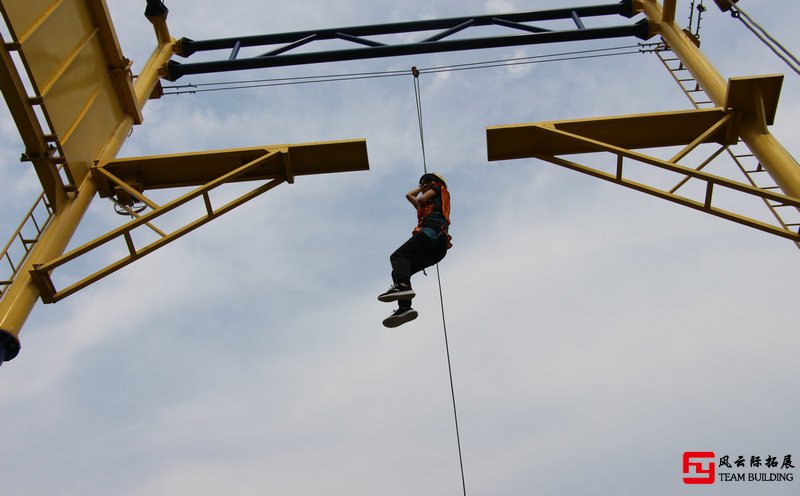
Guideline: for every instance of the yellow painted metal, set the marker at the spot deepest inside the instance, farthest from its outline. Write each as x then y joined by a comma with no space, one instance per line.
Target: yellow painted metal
745,107
41,272
191,169
24,15
207,170
669,10
37,146
503,145
106,123
631,132
712,185
160,56
746,162
783,168
756,97
86,92
77,71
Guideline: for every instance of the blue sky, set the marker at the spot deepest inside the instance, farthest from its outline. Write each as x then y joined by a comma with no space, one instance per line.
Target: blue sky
596,333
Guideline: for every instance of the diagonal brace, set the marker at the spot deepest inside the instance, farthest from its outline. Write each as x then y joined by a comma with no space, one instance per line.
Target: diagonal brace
713,182
703,138
679,169
41,272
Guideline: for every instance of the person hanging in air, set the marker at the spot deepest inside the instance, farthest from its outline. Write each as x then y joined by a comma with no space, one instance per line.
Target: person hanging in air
427,246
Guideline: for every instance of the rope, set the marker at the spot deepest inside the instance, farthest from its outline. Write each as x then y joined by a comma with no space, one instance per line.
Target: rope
418,97
762,34
452,390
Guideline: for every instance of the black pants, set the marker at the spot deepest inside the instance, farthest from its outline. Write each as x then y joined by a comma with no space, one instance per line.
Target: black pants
416,254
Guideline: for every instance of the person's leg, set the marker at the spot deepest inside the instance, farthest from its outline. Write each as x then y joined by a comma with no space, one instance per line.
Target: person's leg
415,255
427,252
403,260
406,259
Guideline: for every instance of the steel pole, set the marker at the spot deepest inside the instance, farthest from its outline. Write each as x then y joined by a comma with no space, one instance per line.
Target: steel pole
22,294
777,161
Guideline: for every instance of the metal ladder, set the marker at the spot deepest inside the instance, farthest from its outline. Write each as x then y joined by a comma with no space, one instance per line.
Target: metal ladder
740,154
23,239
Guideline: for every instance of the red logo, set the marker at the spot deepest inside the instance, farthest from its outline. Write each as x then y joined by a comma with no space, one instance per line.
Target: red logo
698,467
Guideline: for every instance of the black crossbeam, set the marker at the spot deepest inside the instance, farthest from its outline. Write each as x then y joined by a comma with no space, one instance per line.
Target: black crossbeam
277,56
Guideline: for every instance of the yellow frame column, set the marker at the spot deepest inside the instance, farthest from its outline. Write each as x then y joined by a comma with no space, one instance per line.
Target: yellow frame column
783,168
23,293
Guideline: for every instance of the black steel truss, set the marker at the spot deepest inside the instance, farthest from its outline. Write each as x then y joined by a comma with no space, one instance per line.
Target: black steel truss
277,57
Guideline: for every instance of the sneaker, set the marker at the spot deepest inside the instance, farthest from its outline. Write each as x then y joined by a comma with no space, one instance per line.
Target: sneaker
397,292
400,317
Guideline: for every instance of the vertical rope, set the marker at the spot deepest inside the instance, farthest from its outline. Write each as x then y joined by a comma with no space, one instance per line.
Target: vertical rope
418,97
452,389
762,34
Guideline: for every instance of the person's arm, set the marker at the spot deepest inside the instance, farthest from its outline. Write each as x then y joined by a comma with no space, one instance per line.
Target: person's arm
411,196
418,200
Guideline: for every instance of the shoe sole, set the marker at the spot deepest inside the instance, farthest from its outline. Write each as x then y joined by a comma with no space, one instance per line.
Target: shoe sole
395,321
408,294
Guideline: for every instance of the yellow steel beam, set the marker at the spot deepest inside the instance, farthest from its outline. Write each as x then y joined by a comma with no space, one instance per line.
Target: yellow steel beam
109,185
540,137
630,131
37,147
41,272
669,10
745,107
783,168
704,138
22,294
541,150
207,170
86,93
77,72
712,184
118,64
755,97
700,167
191,169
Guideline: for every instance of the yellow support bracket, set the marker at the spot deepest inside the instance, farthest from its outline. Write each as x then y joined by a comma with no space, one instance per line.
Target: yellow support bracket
755,98
192,169
652,130
75,101
621,135
207,171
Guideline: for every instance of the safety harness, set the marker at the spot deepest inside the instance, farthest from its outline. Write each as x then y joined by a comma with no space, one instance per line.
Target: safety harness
436,213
